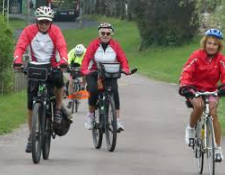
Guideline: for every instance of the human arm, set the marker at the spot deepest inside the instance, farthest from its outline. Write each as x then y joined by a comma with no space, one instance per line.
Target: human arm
71,56
61,46
21,46
122,59
188,71
89,55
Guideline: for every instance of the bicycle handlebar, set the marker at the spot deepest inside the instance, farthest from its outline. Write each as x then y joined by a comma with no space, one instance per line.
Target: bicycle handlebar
201,94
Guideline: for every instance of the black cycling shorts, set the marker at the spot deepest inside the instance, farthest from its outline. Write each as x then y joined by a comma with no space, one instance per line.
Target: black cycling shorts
55,79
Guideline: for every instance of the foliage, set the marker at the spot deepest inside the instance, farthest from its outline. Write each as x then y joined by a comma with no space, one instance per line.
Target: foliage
208,5
6,48
165,22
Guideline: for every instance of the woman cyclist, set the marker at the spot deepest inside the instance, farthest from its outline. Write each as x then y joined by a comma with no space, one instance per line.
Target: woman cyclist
75,58
204,68
102,49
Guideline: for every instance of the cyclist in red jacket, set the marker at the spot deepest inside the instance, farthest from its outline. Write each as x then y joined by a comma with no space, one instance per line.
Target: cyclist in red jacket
45,41
102,49
203,70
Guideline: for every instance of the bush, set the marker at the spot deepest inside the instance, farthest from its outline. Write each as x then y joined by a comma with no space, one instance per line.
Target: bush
6,48
165,22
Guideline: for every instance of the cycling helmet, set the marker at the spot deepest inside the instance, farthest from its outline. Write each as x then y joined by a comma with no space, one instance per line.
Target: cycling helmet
79,49
105,25
214,32
44,12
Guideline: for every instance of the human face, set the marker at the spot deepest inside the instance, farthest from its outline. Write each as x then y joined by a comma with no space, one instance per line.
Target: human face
105,35
43,25
211,46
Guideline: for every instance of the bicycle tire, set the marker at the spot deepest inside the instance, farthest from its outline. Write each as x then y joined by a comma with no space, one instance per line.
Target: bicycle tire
199,152
111,124
75,104
36,133
210,135
97,131
46,143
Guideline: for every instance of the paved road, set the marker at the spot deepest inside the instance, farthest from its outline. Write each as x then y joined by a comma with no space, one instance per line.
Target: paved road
152,144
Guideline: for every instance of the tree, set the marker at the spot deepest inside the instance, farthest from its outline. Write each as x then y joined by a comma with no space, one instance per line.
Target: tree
165,22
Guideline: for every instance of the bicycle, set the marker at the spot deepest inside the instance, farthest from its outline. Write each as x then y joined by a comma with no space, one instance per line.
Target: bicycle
204,141
105,120
76,75
43,110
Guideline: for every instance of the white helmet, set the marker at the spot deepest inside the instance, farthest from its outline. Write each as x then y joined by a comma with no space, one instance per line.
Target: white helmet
79,49
44,12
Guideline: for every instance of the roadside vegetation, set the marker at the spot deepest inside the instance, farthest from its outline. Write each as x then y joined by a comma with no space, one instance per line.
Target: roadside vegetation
160,63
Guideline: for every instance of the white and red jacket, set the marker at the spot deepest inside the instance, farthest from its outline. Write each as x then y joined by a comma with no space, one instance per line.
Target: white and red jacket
44,47
95,54
202,72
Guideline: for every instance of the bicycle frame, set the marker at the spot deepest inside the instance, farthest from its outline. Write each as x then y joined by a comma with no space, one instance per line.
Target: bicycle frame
206,114
204,133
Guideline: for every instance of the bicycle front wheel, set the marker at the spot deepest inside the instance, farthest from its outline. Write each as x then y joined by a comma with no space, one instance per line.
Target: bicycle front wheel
198,149
46,138
111,124
36,132
210,136
97,131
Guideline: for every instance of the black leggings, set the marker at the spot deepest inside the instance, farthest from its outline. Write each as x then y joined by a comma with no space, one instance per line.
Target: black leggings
92,89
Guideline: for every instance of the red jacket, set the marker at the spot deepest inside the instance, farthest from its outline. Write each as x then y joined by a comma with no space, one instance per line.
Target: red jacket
95,53
203,73
43,46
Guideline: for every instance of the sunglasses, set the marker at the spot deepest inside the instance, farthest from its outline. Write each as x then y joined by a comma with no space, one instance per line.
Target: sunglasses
105,33
46,22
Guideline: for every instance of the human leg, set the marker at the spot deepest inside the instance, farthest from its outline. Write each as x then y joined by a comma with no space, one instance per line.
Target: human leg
213,111
92,89
197,104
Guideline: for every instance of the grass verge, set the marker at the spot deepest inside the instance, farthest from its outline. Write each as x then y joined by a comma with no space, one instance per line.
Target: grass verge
13,111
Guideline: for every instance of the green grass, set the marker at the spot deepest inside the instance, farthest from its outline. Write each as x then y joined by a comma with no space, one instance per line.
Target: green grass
159,63
16,23
13,111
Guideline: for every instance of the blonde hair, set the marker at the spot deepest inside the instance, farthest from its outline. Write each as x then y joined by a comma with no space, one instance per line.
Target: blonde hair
218,41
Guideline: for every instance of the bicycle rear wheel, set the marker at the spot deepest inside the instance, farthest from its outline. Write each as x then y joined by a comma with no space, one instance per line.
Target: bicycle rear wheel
97,131
210,136
46,138
111,125
36,132
199,152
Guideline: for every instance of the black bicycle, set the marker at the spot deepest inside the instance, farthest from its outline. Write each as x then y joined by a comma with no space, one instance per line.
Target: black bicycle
105,120
43,110
76,75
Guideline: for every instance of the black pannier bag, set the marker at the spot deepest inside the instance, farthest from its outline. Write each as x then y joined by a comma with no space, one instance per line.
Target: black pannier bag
62,128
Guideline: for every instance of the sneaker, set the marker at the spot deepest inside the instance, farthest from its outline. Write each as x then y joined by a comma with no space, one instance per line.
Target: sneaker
28,147
58,116
120,127
218,154
69,105
89,121
189,136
